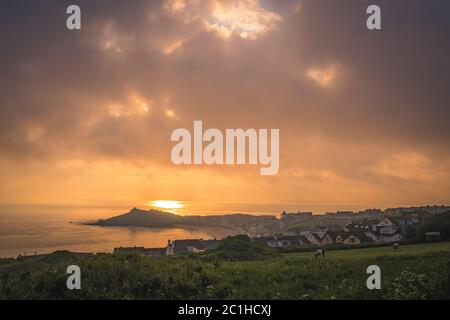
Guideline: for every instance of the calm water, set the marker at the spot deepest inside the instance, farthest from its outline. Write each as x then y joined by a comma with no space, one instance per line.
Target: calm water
46,229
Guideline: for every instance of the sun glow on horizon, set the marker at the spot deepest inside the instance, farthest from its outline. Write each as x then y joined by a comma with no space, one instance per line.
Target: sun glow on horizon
167,204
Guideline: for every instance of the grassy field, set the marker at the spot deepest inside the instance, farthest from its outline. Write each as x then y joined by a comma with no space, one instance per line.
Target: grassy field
414,272
412,249
420,271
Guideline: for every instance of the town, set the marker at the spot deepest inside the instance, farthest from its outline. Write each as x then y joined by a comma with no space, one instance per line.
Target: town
306,231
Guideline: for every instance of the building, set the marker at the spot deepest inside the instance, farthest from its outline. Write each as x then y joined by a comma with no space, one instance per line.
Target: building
352,227
190,245
134,249
154,252
349,238
405,221
292,218
380,230
433,236
149,252
370,213
286,241
314,238
394,237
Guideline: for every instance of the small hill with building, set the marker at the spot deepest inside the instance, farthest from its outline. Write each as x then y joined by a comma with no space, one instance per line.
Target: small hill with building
235,223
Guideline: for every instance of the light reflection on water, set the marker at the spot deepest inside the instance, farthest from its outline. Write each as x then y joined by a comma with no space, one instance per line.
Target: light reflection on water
46,229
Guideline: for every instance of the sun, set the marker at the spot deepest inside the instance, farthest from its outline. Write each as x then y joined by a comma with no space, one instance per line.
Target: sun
167,204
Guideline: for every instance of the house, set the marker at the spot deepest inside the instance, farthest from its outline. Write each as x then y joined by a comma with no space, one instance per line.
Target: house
357,227
190,245
314,238
363,230
304,241
149,252
327,239
278,241
433,236
332,237
381,230
363,237
128,249
385,222
405,221
388,233
394,237
183,246
153,252
291,241
384,226
284,241
350,238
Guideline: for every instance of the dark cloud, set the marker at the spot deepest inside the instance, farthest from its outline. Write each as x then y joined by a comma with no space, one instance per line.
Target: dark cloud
388,94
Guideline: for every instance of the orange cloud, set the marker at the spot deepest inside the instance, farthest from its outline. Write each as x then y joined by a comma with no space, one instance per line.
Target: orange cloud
325,77
248,19
411,166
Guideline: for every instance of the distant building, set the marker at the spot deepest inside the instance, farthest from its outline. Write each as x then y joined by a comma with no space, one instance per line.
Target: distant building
340,214
293,217
370,213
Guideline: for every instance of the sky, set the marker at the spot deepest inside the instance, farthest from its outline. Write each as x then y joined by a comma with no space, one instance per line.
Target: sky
86,116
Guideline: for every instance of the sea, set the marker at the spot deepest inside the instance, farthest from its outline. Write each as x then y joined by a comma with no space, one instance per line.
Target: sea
40,229
29,230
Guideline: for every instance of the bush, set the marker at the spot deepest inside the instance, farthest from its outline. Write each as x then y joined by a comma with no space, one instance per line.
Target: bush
240,248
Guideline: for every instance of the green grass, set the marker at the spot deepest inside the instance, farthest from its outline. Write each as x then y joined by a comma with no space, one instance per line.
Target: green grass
419,271
411,249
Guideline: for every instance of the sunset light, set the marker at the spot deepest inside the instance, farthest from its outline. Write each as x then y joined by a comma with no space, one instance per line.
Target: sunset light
167,204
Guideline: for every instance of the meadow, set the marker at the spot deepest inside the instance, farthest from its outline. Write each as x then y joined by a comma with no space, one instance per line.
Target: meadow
420,271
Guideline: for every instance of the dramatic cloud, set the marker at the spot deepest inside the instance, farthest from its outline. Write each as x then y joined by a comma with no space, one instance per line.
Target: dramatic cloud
246,18
87,115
